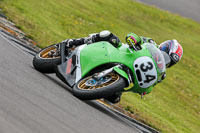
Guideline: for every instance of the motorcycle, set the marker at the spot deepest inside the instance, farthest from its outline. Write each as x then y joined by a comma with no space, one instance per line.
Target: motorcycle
100,70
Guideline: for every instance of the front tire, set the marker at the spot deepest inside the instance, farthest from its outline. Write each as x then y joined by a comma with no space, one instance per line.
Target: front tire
43,62
86,91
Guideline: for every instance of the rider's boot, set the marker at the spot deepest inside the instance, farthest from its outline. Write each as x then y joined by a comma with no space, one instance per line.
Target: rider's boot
114,98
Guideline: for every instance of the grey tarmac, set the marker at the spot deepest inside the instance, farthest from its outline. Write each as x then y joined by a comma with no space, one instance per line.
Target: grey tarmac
187,8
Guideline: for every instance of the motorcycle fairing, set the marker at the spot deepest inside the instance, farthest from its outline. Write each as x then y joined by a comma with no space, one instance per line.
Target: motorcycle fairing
70,71
102,53
88,57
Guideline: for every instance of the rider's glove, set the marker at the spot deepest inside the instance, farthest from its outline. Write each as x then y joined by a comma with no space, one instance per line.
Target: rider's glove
162,78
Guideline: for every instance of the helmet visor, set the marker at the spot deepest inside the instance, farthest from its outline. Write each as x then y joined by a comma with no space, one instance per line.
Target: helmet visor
165,46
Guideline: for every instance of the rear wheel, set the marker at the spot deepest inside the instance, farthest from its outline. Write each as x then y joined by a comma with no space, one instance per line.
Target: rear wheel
44,61
90,88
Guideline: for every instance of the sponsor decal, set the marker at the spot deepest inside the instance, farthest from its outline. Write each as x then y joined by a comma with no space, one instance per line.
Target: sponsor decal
69,65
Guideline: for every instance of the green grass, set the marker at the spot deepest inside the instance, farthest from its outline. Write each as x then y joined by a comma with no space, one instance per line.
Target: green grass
173,105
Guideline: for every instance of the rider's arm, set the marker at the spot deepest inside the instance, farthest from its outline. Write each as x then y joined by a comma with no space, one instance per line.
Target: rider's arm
148,40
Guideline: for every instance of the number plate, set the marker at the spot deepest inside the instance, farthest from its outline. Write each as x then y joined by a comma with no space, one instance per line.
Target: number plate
145,71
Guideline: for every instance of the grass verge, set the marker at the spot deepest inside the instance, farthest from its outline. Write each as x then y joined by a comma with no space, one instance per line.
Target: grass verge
173,105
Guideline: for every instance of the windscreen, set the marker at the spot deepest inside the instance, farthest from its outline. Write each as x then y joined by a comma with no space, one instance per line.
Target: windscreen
157,56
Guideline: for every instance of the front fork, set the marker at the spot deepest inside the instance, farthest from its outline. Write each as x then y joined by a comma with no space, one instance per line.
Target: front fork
125,73
119,69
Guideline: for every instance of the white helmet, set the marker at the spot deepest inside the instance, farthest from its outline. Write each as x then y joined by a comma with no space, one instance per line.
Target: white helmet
173,49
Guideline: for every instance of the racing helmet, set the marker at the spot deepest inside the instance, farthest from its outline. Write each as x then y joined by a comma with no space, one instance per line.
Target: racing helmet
173,49
134,39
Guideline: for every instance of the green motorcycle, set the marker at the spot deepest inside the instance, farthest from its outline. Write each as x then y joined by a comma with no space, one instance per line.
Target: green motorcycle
100,70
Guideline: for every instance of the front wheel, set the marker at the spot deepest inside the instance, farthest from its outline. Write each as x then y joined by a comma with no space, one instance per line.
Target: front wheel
44,62
89,88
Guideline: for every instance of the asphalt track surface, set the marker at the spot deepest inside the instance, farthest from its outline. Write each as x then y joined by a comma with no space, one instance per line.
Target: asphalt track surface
187,8
31,102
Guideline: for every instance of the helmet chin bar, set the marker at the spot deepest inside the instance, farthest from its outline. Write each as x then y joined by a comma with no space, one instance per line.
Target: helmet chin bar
175,57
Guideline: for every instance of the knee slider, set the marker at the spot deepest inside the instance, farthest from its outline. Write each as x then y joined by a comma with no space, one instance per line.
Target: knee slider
104,33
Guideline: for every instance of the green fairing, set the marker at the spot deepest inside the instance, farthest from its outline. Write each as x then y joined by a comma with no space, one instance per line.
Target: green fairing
100,53
121,72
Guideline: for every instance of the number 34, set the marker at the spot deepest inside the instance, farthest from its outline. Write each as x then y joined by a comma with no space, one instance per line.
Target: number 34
147,68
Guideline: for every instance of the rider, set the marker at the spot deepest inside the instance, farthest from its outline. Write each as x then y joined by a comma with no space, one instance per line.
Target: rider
171,47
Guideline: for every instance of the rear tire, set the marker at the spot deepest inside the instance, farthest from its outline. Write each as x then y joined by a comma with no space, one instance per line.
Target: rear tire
116,86
45,64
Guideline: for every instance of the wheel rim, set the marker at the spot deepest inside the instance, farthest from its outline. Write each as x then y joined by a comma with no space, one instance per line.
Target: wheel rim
44,53
90,83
